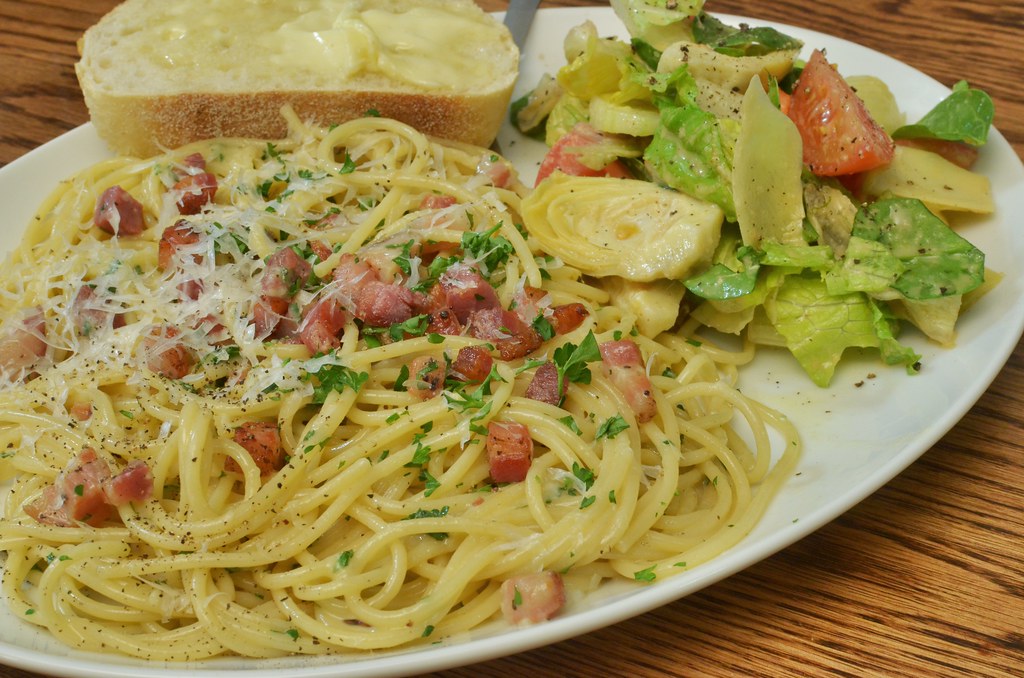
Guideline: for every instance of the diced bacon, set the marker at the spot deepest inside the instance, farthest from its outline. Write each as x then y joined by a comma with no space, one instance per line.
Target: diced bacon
22,346
510,335
381,304
350,276
81,411
195,191
262,440
274,318
213,329
567,317
176,237
321,325
498,170
426,377
443,321
321,249
472,363
530,302
285,274
435,201
194,160
165,354
118,213
133,484
532,598
623,364
89,313
466,291
283,277
533,301
86,492
191,289
509,451
544,385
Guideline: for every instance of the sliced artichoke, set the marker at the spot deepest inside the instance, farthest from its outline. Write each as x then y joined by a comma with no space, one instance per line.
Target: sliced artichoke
767,163
655,304
730,72
629,228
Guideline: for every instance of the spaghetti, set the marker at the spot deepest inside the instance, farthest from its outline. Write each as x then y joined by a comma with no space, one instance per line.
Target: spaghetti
325,473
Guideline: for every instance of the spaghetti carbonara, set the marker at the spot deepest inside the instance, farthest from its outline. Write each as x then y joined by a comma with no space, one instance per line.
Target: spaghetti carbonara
326,394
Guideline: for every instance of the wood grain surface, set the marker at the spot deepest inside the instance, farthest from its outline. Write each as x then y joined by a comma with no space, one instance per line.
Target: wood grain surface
924,578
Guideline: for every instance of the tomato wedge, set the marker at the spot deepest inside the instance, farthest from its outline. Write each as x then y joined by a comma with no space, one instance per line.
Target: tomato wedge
839,135
564,156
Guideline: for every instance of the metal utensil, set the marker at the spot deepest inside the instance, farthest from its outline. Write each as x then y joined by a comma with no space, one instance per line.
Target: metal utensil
518,18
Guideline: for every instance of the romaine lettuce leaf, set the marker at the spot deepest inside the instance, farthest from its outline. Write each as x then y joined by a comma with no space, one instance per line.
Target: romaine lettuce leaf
819,326
692,150
899,242
965,115
743,41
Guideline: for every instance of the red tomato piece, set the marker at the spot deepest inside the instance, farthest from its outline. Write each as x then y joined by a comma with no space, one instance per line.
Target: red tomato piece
564,156
839,135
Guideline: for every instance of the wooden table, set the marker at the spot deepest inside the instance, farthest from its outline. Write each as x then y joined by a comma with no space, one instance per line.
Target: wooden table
924,578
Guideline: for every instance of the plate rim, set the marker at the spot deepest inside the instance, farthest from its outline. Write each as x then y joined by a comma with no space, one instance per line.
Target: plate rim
642,600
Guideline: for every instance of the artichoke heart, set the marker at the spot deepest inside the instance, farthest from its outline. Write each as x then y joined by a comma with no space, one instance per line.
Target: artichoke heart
624,227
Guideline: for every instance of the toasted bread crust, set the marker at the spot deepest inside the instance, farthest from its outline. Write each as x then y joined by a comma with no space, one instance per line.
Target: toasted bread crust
142,124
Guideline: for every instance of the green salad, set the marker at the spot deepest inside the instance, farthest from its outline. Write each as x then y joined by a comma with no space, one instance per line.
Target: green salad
832,213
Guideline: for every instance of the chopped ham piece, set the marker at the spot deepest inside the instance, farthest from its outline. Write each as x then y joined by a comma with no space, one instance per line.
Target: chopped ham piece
321,249
510,335
358,286
382,304
436,202
509,451
426,377
465,291
544,385
472,363
133,484
195,192
176,237
273,318
262,440
497,169
22,346
322,324
87,492
350,276
531,302
285,274
623,364
283,277
81,411
194,160
118,213
567,317
88,312
532,598
165,354
443,321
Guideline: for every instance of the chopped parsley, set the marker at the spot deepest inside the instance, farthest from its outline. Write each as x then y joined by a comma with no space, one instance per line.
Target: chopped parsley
611,427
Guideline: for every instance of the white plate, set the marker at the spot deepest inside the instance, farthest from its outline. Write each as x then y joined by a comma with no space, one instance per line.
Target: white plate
859,433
